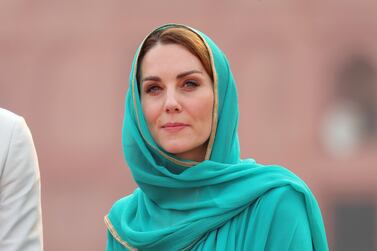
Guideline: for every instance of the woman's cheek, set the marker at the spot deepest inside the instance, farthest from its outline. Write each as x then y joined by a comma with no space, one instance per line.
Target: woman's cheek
150,110
207,105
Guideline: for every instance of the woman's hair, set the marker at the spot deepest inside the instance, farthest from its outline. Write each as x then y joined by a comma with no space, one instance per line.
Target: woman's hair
177,35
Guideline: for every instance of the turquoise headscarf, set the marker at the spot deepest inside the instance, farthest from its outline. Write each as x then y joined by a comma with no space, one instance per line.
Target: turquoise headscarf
222,203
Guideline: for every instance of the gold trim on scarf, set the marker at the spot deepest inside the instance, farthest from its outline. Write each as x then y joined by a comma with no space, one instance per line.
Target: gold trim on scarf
116,235
189,163
215,103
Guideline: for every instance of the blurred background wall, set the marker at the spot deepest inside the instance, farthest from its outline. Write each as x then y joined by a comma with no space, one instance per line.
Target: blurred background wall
306,74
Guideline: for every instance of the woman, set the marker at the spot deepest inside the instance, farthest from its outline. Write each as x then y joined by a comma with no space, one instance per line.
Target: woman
180,141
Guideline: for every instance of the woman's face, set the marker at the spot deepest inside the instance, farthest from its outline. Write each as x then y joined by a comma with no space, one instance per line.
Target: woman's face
177,100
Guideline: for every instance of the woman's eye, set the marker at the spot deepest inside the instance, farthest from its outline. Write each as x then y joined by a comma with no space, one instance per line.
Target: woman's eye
153,89
190,84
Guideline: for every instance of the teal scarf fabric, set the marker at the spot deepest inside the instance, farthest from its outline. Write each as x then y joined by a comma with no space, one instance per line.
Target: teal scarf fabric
222,203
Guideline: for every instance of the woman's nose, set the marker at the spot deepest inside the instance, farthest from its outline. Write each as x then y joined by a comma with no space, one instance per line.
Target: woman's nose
172,103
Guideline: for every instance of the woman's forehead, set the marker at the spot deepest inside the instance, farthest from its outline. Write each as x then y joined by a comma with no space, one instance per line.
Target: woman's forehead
169,58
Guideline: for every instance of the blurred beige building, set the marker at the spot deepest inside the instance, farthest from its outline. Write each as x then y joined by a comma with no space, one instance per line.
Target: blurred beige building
307,80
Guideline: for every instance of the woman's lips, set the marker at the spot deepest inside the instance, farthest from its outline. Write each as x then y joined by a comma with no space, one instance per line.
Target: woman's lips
174,126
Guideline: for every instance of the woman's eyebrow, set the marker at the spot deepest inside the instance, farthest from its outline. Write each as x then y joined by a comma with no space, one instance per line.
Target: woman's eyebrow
184,74
152,78
181,75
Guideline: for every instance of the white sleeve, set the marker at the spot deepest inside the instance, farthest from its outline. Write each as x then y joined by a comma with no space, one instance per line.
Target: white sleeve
20,200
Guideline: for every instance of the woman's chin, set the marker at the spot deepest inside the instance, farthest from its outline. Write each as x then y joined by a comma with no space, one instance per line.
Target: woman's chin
175,149
186,152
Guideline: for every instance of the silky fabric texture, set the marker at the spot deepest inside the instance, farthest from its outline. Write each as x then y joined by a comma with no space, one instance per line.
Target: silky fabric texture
222,203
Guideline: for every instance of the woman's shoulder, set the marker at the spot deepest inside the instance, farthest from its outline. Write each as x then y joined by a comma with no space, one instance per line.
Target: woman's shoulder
280,220
123,203
283,190
285,203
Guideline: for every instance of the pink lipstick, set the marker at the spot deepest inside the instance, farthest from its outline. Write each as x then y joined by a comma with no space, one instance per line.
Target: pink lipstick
174,126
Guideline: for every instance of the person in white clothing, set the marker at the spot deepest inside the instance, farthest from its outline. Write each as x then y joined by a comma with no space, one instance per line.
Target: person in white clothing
20,199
